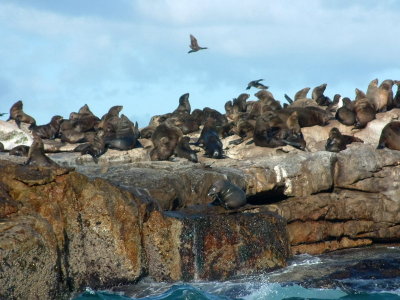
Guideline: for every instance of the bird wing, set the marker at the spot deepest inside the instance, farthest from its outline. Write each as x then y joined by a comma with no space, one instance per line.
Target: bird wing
193,42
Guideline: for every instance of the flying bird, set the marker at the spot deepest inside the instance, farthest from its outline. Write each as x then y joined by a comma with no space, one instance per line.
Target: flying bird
2,114
257,84
194,45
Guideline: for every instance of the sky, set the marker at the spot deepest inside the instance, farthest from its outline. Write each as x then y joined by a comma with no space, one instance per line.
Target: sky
56,56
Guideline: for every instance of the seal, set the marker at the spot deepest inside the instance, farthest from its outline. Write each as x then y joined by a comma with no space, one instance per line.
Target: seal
18,115
257,84
125,137
20,150
267,136
390,136
396,98
365,112
307,116
183,150
337,141
271,131
268,101
109,121
36,155
165,138
318,95
302,94
210,140
345,114
194,45
96,148
49,131
184,105
227,194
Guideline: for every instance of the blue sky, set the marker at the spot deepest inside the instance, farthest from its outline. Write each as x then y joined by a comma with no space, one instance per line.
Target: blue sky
57,56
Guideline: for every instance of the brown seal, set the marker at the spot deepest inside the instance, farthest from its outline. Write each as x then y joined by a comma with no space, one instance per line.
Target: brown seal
49,131
183,150
227,194
165,138
18,115
36,155
338,142
96,148
390,136
319,97
346,114
184,105
365,112
125,137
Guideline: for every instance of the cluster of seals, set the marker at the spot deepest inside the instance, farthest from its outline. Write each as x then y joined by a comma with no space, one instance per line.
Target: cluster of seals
227,194
365,106
264,122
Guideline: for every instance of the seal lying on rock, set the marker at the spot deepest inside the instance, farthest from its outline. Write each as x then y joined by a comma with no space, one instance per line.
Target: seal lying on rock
227,194
338,142
390,136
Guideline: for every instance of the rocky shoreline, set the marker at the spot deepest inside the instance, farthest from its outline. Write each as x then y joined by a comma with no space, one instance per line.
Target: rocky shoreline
99,225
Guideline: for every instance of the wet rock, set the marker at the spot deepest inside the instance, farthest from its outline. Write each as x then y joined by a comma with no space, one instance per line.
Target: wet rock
210,246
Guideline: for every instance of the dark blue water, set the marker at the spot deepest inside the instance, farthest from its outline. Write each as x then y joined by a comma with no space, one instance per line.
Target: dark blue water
369,273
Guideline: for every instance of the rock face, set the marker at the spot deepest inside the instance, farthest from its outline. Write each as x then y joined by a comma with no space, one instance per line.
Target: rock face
182,246
64,231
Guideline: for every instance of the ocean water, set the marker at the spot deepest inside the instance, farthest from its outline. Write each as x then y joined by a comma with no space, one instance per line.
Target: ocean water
367,273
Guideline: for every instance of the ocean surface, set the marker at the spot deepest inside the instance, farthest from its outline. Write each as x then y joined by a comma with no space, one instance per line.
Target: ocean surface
366,273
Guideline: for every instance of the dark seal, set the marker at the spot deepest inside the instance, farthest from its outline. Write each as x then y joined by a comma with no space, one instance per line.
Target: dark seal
183,150
48,131
227,194
390,136
337,141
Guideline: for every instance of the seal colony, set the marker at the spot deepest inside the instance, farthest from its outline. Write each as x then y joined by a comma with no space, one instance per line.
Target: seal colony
185,134
193,134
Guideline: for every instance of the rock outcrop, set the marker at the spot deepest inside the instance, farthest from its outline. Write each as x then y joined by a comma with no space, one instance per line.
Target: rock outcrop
128,217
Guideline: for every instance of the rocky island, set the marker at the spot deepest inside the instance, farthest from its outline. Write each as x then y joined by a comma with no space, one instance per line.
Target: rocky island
125,216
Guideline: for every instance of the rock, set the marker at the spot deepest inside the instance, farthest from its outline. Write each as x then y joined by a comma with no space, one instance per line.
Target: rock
68,232
11,135
344,219
210,246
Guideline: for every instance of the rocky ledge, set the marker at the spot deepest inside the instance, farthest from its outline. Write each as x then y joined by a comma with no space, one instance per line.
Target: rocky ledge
99,225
